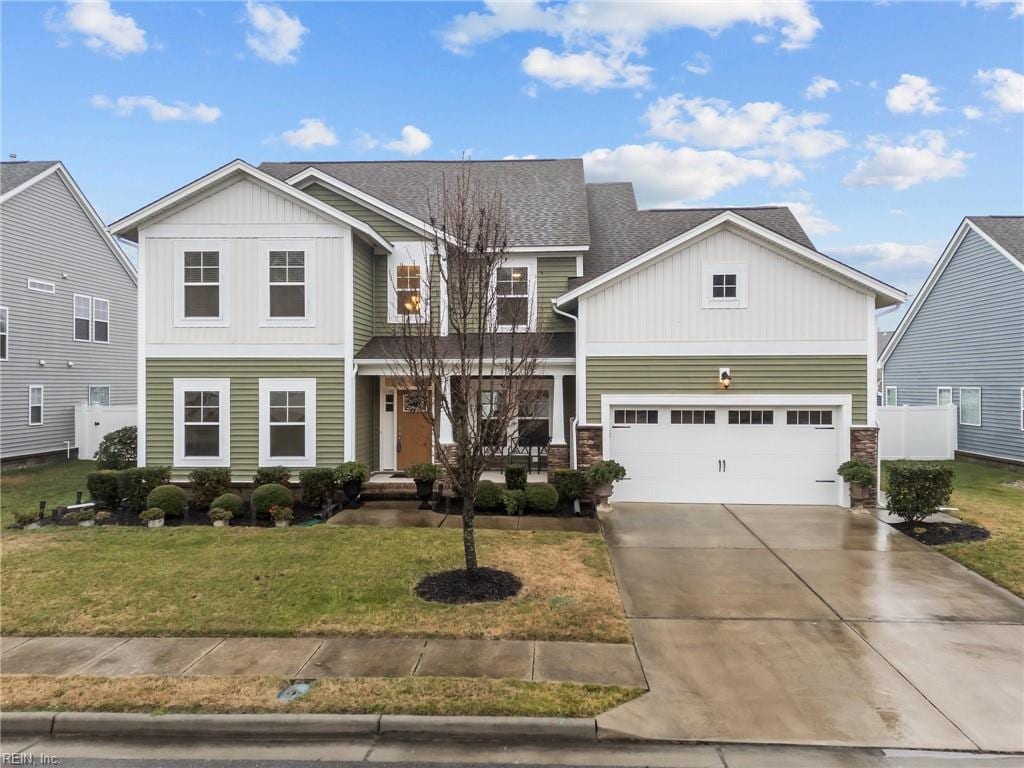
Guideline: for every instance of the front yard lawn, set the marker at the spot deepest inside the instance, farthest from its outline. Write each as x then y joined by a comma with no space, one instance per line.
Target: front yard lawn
983,497
55,481
394,696
322,580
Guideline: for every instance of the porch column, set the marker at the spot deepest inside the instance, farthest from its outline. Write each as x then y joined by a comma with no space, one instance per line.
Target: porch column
445,424
558,413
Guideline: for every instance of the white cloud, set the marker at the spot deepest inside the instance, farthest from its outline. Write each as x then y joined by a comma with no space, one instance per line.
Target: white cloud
761,38
913,93
700,64
519,157
589,71
1016,6
1006,88
891,255
765,127
274,35
412,142
810,217
530,90
920,157
312,132
124,106
673,177
820,87
105,31
972,113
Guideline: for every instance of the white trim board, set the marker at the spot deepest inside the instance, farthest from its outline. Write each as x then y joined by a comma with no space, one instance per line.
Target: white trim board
722,348
215,351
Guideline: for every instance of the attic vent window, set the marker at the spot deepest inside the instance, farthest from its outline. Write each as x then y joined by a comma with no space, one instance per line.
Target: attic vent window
723,286
42,286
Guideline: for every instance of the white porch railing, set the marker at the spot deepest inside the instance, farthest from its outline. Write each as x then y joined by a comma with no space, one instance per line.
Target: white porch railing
925,432
94,422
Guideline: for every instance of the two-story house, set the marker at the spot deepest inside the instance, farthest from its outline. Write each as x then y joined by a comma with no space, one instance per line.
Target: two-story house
714,352
68,299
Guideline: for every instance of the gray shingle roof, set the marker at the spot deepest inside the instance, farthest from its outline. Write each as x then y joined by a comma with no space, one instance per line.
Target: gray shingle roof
390,347
1008,231
14,173
620,232
546,199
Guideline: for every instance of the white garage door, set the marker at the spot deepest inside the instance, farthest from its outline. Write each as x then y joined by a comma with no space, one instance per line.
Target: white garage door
739,455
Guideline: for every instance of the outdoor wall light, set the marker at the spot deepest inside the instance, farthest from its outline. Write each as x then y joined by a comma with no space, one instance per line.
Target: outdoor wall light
724,377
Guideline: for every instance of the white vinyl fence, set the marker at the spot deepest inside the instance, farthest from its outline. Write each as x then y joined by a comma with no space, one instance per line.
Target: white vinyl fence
94,422
926,432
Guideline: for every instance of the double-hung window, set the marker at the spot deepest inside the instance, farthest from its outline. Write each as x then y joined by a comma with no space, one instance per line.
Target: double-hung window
513,294
408,290
201,280
35,405
99,394
202,422
288,422
101,320
83,317
4,318
91,319
287,284
408,282
970,406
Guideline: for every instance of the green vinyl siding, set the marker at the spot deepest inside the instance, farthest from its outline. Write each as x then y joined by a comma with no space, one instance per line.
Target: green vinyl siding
362,300
244,374
368,421
811,375
387,228
553,275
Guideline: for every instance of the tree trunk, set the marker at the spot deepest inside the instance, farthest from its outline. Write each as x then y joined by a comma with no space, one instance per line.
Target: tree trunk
469,535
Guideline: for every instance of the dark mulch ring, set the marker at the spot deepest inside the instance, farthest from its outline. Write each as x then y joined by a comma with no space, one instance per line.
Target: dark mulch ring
458,588
943,533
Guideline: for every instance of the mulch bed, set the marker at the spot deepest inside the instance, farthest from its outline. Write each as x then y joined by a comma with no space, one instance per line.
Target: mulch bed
943,533
457,588
197,516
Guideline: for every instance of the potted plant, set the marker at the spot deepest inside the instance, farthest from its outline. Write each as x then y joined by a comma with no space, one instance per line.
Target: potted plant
351,476
425,475
602,476
220,516
282,515
29,520
861,476
86,518
154,517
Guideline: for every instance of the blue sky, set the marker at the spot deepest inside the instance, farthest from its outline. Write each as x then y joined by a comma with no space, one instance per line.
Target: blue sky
883,123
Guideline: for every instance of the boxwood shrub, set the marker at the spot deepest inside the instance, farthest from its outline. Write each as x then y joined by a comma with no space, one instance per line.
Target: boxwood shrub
170,498
541,497
268,475
208,483
917,490
117,449
569,483
515,501
515,477
230,501
105,487
138,482
318,485
266,496
489,496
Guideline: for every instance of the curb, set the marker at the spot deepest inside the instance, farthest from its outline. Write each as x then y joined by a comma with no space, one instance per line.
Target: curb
469,728
26,723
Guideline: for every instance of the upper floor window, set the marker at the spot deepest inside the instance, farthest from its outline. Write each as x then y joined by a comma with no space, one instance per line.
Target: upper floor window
202,284
100,320
287,284
83,318
3,332
408,290
91,319
970,406
409,282
35,405
724,286
512,297
42,286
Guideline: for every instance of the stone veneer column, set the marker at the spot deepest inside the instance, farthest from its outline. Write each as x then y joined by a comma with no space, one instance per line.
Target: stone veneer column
589,449
558,458
864,446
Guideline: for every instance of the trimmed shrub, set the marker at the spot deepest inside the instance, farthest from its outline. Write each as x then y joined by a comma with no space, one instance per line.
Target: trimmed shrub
917,490
208,483
170,498
515,501
272,475
515,477
424,472
104,516
569,483
153,513
230,501
352,470
118,449
105,487
488,496
318,485
138,482
270,495
25,517
541,497
857,471
216,513
80,515
606,472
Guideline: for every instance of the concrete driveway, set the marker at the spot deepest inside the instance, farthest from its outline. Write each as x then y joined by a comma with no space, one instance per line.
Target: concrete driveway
811,625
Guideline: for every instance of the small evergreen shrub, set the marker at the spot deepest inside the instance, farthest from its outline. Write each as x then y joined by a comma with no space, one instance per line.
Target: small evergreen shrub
318,485
514,501
81,515
118,449
857,471
220,514
272,475
489,496
541,497
569,483
153,513
606,472
352,470
208,483
138,482
424,472
515,477
105,487
917,490
229,501
104,516
270,495
170,498
25,517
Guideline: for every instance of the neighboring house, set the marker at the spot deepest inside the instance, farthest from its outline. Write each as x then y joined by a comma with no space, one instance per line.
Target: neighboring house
67,310
883,341
962,340
272,296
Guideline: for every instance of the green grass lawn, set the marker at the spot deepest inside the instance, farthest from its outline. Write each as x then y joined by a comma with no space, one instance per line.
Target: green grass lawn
983,498
55,481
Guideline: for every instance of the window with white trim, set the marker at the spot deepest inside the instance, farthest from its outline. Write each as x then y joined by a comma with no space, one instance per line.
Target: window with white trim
752,417
41,286
409,282
632,416
35,405
287,276
970,406
202,424
101,320
512,305
408,290
4,317
202,283
890,396
724,285
288,422
99,394
943,395
83,317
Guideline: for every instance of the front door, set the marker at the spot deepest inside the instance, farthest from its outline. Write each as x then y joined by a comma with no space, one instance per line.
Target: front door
413,441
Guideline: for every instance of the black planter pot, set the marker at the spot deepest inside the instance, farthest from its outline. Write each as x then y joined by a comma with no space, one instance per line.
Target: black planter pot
352,489
425,492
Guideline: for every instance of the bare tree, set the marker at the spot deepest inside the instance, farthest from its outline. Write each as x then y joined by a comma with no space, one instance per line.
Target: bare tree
480,373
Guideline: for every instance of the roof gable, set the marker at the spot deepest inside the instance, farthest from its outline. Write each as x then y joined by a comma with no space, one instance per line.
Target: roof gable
16,173
1005,232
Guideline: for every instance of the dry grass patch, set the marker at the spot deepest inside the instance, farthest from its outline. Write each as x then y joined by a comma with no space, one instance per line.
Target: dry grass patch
239,695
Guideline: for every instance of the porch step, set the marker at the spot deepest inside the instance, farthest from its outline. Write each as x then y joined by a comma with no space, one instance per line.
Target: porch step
391,489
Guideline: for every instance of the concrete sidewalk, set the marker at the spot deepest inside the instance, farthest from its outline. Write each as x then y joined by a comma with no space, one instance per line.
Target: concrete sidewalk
312,657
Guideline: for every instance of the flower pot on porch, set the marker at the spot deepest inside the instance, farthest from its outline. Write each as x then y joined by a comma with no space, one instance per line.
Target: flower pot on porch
602,492
425,492
158,523
858,495
353,488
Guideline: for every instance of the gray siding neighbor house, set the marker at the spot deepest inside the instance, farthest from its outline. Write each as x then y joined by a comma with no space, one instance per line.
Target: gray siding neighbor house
68,310
962,340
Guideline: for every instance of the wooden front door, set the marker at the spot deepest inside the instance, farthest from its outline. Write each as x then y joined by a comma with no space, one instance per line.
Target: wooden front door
413,438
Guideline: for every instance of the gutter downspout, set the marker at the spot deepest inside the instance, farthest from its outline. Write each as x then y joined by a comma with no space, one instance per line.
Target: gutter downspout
572,421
